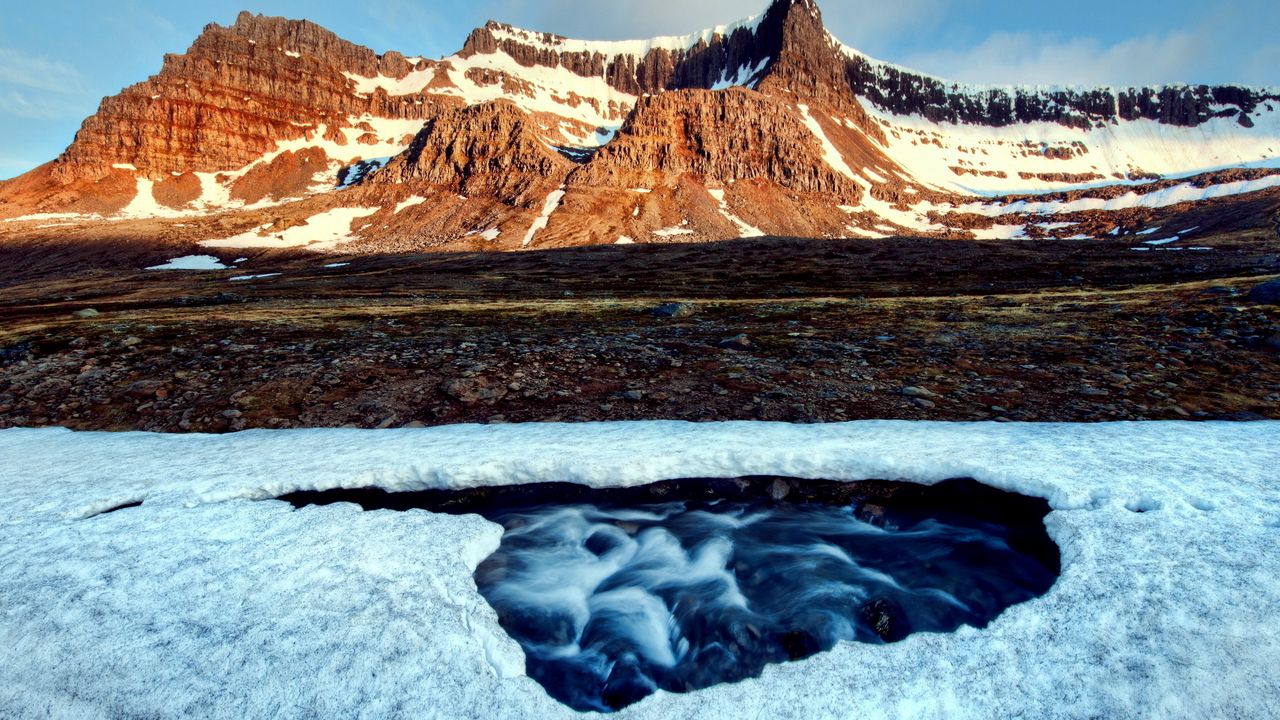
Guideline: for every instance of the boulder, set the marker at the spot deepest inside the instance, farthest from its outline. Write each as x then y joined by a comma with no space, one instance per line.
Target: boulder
1267,293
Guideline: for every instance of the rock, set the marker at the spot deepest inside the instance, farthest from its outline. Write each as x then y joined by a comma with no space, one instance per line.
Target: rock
1272,343
144,388
132,341
779,489
737,342
50,389
924,404
1267,293
504,151
1220,290
886,618
918,392
473,390
85,314
674,310
633,395
91,375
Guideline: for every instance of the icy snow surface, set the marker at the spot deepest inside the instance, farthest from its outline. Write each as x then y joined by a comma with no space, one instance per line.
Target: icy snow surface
205,602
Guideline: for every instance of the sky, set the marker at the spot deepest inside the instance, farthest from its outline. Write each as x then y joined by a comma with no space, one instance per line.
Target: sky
59,58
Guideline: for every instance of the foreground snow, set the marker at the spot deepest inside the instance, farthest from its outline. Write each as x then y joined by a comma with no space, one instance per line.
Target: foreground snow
205,602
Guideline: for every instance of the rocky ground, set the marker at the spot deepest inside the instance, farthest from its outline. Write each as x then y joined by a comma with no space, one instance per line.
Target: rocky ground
771,329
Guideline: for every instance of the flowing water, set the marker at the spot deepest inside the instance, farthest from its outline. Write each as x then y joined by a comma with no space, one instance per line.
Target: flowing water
614,599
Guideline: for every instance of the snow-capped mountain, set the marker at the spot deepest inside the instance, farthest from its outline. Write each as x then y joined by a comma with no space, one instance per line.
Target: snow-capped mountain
292,136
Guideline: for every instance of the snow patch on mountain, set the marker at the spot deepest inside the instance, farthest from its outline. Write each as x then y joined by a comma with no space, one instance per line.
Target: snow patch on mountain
324,231
829,152
538,89
745,229
192,262
412,84
408,203
1018,159
746,76
548,207
611,49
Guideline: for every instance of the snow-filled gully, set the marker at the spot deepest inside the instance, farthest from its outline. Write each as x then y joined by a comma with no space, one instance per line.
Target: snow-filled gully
211,598
682,585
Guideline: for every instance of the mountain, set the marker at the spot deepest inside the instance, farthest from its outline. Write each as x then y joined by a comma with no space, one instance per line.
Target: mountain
278,133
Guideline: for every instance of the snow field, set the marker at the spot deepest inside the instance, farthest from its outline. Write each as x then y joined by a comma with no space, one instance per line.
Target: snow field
205,600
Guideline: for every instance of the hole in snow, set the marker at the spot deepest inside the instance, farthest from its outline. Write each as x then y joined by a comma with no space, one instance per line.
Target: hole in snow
1143,505
113,508
686,584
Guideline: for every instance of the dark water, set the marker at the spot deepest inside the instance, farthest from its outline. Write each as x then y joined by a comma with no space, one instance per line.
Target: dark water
614,599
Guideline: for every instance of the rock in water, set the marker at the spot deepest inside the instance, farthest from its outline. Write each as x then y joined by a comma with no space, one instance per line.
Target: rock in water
1267,293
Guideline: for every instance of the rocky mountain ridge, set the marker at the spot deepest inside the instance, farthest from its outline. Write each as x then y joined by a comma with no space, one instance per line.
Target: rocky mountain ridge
765,126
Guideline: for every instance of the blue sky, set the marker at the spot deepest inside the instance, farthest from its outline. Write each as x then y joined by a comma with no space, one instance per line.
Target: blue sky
58,58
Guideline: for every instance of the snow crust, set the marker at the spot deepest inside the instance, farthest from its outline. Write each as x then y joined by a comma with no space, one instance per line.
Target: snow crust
205,602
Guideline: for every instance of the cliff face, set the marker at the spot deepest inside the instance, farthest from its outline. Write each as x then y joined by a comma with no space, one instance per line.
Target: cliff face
767,125
232,98
719,138
903,92
491,150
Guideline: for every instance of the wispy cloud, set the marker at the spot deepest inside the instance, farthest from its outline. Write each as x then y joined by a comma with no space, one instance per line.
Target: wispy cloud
1026,58
42,106
40,73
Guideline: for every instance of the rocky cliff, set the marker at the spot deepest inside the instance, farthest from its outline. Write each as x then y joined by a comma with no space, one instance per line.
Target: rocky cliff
764,126
232,98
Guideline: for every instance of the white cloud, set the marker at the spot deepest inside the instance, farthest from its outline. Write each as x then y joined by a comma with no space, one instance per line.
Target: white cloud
860,22
1026,58
874,26
593,20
